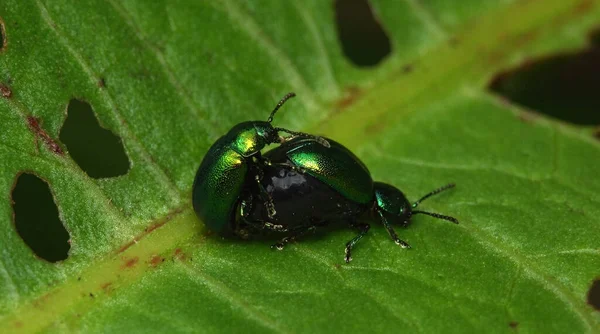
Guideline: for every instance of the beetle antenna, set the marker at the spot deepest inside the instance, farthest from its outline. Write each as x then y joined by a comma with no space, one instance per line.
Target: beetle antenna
437,215
437,191
283,99
318,139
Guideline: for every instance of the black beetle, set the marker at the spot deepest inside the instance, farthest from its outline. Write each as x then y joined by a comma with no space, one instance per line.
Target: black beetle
313,187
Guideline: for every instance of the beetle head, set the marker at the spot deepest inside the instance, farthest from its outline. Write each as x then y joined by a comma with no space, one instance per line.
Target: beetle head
251,137
392,203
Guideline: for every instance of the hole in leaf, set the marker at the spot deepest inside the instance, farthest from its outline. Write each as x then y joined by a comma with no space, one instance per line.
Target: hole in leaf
562,86
595,37
363,39
98,151
2,36
594,295
36,219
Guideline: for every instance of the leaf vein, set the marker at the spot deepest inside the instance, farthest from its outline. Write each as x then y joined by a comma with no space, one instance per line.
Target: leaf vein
288,69
9,282
319,45
426,17
590,251
310,255
532,271
209,126
124,129
220,289
63,164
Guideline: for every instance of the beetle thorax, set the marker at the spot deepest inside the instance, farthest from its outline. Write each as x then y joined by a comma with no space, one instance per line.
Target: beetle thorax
249,138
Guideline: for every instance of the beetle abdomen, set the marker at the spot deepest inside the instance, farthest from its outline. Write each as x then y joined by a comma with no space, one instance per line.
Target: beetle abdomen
302,200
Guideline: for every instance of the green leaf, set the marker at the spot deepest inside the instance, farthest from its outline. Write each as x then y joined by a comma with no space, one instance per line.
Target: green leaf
170,78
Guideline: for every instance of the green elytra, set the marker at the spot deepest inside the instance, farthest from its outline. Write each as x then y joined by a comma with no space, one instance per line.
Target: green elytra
335,166
229,163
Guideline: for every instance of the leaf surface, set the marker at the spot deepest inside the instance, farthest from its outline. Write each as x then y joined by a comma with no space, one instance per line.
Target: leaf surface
171,77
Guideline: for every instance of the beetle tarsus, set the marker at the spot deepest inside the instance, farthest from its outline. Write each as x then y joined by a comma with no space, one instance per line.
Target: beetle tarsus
281,244
362,231
347,257
295,234
391,231
401,243
274,227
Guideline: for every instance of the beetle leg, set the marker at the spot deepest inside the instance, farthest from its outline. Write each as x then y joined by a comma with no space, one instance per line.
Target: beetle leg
245,209
264,195
281,244
262,160
391,231
362,230
246,205
258,226
274,227
266,198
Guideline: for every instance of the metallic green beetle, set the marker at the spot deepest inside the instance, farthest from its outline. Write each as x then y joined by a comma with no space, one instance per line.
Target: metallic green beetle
316,188
231,162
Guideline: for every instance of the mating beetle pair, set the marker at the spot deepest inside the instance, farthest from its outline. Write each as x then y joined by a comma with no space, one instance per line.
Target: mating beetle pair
305,184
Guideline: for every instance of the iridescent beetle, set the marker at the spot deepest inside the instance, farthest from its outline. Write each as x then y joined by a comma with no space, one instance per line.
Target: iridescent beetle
315,187
232,162
305,184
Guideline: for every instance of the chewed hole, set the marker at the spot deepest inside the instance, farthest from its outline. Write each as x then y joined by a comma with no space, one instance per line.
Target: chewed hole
98,151
594,295
362,37
2,35
562,86
595,37
37,220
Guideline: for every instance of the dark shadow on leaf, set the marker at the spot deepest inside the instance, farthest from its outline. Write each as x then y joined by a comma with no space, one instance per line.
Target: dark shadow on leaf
593,297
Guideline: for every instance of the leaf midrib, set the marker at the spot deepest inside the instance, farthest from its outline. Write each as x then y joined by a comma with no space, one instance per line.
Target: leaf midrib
178,227
124,130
